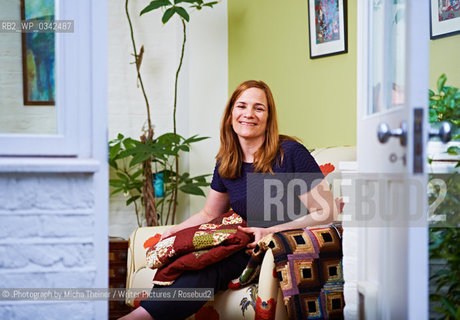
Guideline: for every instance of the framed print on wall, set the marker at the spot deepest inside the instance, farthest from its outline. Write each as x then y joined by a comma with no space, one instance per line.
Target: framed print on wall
445,18
38,55
327,21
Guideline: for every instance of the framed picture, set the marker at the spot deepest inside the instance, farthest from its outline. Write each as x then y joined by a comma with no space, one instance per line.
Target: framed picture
327,20
38,59
445,18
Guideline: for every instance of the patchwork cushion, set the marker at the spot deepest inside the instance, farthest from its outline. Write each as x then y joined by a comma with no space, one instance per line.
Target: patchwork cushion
197,247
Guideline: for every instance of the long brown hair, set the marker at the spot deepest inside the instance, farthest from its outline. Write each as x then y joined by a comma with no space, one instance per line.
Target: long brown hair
230,155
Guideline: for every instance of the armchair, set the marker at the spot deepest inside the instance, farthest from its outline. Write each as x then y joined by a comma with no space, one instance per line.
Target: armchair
241,303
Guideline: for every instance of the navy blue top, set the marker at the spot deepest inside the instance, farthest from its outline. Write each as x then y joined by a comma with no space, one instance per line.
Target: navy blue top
297,159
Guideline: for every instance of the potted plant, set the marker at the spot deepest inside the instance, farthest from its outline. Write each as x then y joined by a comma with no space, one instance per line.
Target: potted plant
444,246
148,169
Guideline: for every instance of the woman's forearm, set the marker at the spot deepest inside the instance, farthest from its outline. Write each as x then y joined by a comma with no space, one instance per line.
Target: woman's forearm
315,218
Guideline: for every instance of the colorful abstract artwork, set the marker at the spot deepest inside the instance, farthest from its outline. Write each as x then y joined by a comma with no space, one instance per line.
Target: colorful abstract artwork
448,9
327,20
328,27
445,18
38,55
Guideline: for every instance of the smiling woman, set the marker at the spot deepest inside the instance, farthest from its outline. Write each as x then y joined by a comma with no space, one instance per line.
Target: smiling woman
250,143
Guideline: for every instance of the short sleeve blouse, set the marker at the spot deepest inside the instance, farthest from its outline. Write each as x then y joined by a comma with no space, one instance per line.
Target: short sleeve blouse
297,159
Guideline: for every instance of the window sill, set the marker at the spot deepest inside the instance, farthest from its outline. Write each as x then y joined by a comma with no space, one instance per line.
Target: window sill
10,164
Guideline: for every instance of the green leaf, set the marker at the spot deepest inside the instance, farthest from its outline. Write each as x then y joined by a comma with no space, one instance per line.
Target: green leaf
116,191
454,150
116,183
188,1
136,174
191,189
170,137
167,15
433,115
113,164
114,150
441,81
210,4
183,13
132,199
202,177
194,138
183,147
449,305
155,5
139,158
122,176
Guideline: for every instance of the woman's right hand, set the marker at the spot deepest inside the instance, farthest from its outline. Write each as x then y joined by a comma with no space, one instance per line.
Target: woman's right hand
167,233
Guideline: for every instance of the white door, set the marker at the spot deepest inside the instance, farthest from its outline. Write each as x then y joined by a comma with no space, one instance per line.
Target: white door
393,38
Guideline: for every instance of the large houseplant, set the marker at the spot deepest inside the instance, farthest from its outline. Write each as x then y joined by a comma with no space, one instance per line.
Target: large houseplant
134,159
445,235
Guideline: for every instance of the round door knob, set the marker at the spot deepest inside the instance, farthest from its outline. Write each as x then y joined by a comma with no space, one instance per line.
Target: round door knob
444,132
384,133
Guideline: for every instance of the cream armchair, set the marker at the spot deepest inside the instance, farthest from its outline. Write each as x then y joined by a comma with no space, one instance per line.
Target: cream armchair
241,303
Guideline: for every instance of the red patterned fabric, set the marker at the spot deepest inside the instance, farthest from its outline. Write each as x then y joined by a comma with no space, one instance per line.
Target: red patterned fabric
152,241
207,313
197,247
265,310
327,168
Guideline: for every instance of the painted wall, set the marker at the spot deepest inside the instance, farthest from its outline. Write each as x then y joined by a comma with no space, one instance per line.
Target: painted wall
207,76
444,59
316,99
47,235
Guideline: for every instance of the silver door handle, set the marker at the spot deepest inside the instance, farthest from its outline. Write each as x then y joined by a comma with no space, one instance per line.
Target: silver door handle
384,133
444,132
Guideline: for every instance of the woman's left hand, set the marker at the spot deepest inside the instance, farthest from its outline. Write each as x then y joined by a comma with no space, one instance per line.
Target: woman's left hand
258,233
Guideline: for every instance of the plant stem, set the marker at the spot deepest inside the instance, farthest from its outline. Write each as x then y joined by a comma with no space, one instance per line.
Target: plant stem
149,122
177,73
147,188
172,196
174,193
137,214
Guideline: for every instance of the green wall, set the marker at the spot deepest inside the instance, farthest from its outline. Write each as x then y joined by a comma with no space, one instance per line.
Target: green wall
445,58
316,99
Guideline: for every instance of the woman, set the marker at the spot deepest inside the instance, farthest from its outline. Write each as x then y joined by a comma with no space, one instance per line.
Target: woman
250,142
